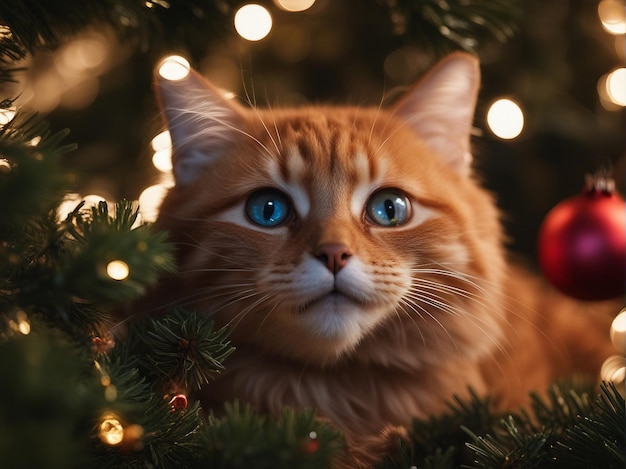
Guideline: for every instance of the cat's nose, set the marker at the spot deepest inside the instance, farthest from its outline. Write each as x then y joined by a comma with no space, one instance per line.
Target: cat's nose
334,256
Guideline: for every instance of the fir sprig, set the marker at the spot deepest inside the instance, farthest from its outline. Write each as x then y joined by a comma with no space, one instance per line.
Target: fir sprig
455,23
597,439
98,239
243,438
185,349
32,179
439,442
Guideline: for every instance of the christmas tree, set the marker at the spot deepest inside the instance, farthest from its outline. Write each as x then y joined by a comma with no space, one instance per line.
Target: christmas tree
75,395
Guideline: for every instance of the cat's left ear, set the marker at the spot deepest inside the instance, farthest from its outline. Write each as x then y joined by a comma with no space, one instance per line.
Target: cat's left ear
440,108
202,123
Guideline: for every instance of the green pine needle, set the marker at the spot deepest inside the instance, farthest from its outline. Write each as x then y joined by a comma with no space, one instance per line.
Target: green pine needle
243,439
184,348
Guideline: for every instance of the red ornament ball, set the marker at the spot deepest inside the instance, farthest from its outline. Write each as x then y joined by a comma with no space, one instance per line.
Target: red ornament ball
582,243
178,402
312,444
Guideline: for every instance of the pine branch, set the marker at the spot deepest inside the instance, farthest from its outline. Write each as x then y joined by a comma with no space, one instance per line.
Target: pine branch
244,439
31,176
184,349
598,439
97,239
439,442
454,24
49,396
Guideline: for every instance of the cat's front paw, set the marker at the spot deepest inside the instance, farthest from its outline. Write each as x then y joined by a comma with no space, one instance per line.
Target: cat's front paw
365,451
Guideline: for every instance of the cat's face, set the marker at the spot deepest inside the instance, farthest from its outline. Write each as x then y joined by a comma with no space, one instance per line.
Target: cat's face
312,232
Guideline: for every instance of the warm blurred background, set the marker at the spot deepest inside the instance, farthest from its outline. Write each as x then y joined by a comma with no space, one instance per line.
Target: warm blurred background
562,70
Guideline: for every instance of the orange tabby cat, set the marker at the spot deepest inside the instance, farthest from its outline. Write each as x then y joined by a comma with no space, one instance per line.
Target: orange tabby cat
357,262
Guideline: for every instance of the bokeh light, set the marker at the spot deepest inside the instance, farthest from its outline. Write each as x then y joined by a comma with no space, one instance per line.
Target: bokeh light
253,22
614,370
612,14
162,146
150,201
162,160
67,206
294,5
618,332
616,86
505,119
161,141
174,68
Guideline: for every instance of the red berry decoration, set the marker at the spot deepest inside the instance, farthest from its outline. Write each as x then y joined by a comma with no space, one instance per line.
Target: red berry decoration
582,243
178,402
312,445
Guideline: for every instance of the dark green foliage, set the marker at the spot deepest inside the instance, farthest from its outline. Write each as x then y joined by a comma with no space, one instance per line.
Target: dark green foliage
190,24
567,429
184,348
440,442
597,439
48,394
96,238
455,24
243,439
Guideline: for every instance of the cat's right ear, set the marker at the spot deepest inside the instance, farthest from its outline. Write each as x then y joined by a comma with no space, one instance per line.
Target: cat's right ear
202,123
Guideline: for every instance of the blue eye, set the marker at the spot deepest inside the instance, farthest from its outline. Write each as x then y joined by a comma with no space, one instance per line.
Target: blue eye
268,208
388,207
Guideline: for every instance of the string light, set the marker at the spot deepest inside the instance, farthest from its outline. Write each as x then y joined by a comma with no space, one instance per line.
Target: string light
5,166
253,22
110,430
505,119
174,68
118,270
294,5
21,323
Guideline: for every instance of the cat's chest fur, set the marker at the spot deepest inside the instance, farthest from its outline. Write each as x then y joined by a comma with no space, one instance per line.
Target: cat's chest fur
358,398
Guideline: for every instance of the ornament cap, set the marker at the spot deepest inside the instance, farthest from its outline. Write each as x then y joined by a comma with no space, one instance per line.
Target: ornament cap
601,182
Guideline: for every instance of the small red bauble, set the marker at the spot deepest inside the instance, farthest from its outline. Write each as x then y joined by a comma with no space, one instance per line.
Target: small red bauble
582,243
312,445
178,402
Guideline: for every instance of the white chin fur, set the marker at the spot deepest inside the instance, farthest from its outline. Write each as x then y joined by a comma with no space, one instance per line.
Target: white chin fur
338,319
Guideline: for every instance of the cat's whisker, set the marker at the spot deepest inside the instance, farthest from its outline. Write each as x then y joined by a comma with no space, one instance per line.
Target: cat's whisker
503,302
375,120
401,306
427,301
492,332
243,313
218,270
268,314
